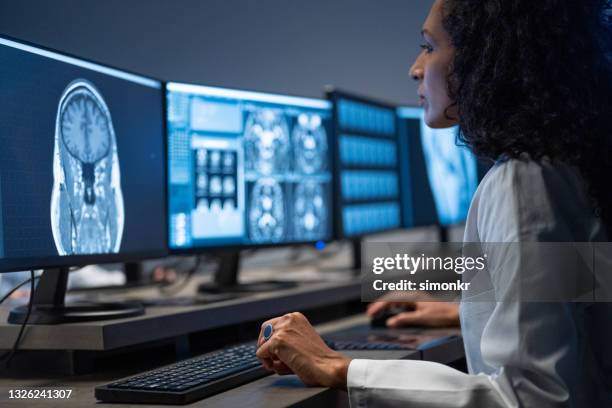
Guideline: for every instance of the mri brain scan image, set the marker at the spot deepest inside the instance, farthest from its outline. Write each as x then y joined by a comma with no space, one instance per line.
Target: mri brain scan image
267,215
310,143
87,212
309,210
266,142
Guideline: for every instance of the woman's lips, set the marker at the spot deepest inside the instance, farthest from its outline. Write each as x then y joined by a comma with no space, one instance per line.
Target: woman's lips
422,100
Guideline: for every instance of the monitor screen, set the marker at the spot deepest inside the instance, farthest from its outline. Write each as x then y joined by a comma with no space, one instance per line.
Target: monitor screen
451,172
247,168
82,161
367,164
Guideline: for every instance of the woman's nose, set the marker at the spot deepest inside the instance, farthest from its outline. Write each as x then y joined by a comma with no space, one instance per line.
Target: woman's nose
416,70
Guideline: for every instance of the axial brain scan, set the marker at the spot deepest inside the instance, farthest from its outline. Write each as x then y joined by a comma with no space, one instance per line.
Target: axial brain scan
266,215
310,211
310,143
266,142
87,212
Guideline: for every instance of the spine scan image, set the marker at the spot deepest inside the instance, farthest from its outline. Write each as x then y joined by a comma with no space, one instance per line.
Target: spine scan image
87,210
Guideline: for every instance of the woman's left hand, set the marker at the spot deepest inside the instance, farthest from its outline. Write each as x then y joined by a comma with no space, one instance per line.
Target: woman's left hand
296,348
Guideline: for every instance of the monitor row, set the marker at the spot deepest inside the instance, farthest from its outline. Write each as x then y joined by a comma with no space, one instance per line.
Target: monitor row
102,165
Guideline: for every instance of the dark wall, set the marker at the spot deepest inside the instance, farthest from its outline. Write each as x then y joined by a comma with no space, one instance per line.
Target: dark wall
286,46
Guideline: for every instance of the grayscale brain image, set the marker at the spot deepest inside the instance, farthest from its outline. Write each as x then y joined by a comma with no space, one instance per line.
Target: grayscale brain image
266,142
82,168
310,209
310,144
87,213
266,211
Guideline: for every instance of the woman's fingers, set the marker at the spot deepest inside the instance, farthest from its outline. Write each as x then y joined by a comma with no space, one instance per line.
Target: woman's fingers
413,318
268,363
281,368
273,322
376,307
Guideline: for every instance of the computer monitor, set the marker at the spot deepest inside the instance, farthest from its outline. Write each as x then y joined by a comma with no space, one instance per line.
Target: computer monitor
82,176
443,174
246,169
367,146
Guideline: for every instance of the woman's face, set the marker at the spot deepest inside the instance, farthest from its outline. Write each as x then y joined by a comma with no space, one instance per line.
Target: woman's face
431,70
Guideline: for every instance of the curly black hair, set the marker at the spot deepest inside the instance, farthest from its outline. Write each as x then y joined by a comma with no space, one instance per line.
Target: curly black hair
535,77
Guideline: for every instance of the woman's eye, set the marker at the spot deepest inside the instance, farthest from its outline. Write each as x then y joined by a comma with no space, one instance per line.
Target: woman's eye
427,48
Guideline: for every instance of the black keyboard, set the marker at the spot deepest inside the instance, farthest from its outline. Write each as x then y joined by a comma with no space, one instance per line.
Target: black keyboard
344,345
188,380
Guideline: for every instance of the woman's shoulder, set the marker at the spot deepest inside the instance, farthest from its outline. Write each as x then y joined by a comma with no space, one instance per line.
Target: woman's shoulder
525,196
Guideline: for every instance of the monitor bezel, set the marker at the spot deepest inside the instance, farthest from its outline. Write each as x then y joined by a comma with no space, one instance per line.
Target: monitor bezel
333,94
235,247
17,264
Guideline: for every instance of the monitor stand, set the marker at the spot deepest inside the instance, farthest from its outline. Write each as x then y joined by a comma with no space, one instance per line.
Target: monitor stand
48,304
133,273
356,255
226,278
443,233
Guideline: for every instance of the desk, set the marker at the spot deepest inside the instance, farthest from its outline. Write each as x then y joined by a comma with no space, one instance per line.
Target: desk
165,322
269,392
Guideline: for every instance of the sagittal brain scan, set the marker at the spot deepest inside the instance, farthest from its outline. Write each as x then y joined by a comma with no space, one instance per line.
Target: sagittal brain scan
257,164
267,213
310,143
266,142
452,173
87,213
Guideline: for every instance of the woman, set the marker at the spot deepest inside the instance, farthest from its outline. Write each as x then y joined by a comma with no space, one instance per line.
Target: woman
529,83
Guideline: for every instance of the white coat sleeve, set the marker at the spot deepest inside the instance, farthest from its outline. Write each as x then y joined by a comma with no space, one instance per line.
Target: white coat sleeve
529,347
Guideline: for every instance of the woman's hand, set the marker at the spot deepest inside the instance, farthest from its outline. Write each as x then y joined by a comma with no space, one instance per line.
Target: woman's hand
423,312
296,348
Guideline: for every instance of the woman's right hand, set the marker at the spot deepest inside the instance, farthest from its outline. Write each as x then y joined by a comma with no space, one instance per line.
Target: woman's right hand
423,311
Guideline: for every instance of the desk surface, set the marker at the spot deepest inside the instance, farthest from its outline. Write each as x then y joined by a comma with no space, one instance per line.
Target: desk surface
164,322
269,392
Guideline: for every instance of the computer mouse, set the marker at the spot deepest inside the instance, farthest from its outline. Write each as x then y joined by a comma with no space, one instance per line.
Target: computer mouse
379,320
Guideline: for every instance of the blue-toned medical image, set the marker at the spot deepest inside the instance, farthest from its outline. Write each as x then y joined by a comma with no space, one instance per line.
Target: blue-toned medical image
246,168
452,172
310,144
266,212
87,213
266,142
359,185
367,151
369,174
366,118
310,210
364,218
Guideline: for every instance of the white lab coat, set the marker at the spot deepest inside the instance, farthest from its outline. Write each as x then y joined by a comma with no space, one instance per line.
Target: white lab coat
519,354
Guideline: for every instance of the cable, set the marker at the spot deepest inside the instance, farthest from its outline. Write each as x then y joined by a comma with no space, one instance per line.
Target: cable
9,354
